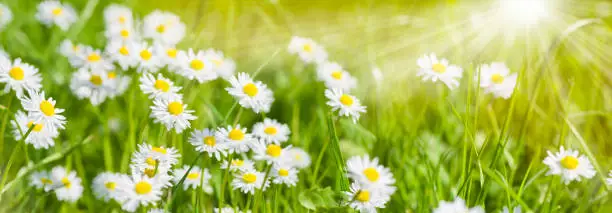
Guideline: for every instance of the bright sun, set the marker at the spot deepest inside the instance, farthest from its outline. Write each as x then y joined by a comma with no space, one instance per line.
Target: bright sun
525,13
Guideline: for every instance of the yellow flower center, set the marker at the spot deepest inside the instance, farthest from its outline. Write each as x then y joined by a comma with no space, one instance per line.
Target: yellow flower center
175,108
122,19
16,73
124,50
160,28
237,162
47,108
57,11
46,181
217,62
110,186
159,149
162,85
125,33
363,196
150,172
193,176
112,75
439,68
337,75
307,48
95,80
150,161
249,178
209,140
283,172
145,54
236,135
143,187
171,52
93,57
569,162
270,130
66,182
371,174
273,150
250,89
346,100
497,78
197,64
37,127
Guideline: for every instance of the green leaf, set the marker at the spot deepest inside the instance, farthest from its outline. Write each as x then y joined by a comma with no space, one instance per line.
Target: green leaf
317,198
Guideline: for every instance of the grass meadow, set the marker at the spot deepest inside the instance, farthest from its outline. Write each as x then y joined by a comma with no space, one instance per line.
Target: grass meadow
447,149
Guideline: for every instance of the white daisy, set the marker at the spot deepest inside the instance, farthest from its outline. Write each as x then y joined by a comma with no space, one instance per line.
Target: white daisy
194,179
238,164
91,84
164,27
173,113
434,69
43,110
104,185
196,65
271,131
41,136
67,185
569,164
271,153
122,53
41,180
307,49
205,141
369,174
297,157
153,160
457,206
346,105
495,78
91,58
6,16
235,139
138,191
365,200
247,181
283,174
224,67
71,51
118,83
51,12
514,210
115,14
146,59
121,33
19,76
168,54
251,94
158,87
334,76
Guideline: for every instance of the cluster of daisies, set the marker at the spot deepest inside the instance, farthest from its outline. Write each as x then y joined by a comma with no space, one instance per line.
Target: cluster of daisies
373,184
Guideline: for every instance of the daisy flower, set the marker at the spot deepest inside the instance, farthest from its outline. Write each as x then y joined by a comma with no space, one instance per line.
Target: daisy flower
67,185
151,159
173,113
250,94
158,87
238,164
168,54
41,136
194,179
248,180
205,141
271,153
104,185
283,174
514,210
43,110
307,49
146,60
365,200
369,174
91,84
71,50
115,14
164,27
121,33
6,16
118,83
196,65
235,139
51,12
271,131
434,69
122,53
457,206
19,76
41,180
495,78
91,58
569,164
224,67
297,157
346,105
334,76
138,191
